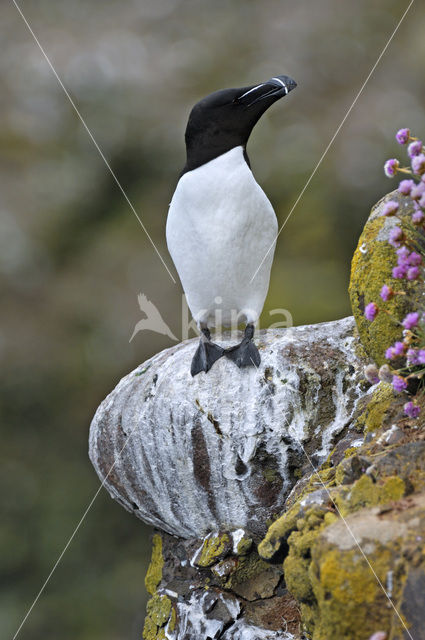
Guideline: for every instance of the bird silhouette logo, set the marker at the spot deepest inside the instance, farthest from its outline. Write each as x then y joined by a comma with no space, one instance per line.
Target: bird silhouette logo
153,320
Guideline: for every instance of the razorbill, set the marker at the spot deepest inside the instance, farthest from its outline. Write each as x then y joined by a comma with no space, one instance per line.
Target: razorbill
220,223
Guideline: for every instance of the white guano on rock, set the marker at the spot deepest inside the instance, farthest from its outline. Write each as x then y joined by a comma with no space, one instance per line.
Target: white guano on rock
220,451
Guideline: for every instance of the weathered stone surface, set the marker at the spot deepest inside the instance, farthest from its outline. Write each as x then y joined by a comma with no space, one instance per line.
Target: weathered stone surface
270,613
371,267
214,547
348,593
247,602
368,513
222,450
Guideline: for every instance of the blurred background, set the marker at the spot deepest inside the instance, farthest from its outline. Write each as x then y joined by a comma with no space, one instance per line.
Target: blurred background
73,257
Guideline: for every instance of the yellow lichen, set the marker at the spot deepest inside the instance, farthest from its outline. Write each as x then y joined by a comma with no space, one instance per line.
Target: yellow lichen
277,532
378,406
393,488
363,494
297,563
296,577
150,629
370,269
154,572
244,545
367,493
159,609
330,517
172,621
213,548
157,614
350,599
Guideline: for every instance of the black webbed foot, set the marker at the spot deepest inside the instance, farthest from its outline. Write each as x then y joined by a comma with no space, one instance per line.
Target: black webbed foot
245,354
206,354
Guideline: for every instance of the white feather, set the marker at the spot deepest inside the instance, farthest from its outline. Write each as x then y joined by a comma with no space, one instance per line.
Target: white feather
220,226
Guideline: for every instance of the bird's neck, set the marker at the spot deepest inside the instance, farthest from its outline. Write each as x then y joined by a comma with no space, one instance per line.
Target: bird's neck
197,157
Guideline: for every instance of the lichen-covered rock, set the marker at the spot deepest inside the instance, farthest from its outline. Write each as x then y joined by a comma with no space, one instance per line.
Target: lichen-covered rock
222,450
351,601
154,574
372,267
368,513
191,601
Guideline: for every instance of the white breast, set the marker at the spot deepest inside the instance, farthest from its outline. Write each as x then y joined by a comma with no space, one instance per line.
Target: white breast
219,228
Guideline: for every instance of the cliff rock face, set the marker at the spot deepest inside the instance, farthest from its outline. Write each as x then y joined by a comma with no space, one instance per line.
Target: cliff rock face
223,450
289,500
210,459
354,548
217,587
371,267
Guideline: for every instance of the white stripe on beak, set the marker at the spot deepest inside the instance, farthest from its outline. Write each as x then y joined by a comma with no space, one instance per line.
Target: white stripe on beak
283,84
253,89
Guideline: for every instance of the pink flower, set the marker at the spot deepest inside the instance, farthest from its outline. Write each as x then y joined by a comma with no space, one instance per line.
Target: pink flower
399,384
406,186
390,208
421,356
371,311
386,292
391,167
389,353
411,320
417,191
396,236
402,136
412,273
412,357
414,148
402,255
418,217
379,635
399,348
371,373
412,410
400,271
418,164
414,259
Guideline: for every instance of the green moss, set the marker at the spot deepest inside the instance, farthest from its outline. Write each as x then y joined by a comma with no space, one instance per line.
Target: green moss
213,548
271,475
140,373
248,567
154,572
370,269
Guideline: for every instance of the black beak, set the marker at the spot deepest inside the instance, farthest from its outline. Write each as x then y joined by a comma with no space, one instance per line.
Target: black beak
274,88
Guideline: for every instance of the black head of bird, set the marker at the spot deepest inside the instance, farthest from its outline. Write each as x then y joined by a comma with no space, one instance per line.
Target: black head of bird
224,119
